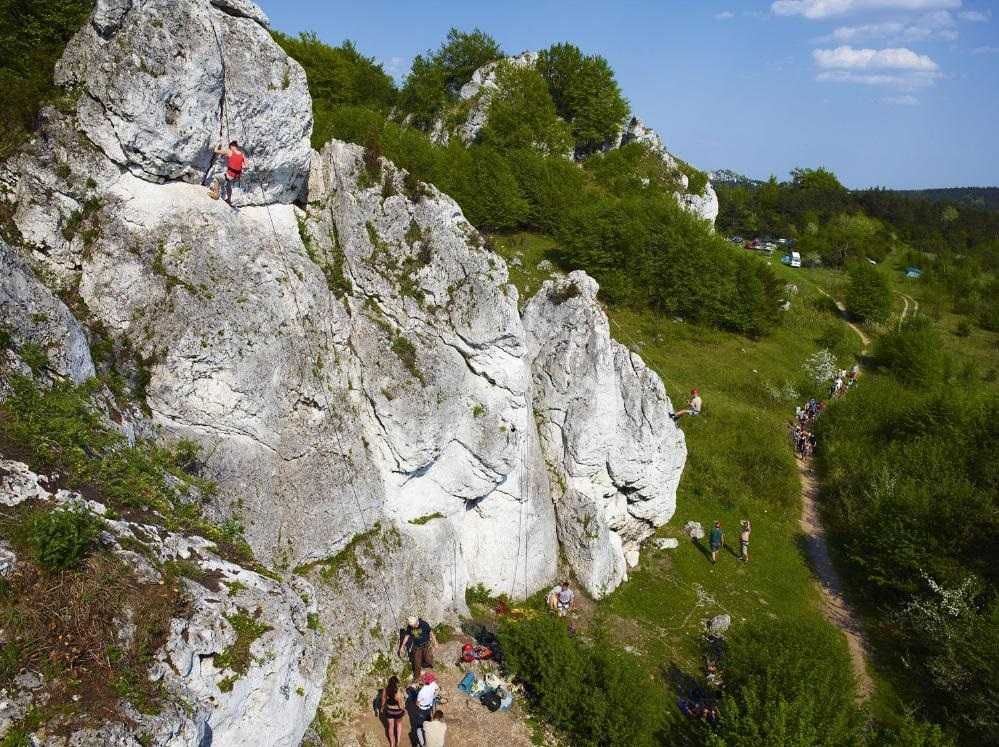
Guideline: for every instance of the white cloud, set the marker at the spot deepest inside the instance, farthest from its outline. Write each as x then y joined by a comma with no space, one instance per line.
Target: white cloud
906,99
930,27
893,58
985,50
975,16
725,15
397,67
819,9
903,81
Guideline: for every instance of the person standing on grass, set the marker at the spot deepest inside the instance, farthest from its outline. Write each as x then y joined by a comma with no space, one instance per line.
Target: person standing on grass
420,643
715,541
393,710
746,528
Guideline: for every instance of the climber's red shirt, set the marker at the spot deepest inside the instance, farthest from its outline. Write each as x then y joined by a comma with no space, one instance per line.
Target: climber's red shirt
234,164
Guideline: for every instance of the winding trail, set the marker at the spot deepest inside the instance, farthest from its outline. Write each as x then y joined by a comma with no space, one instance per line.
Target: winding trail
907,300
834,605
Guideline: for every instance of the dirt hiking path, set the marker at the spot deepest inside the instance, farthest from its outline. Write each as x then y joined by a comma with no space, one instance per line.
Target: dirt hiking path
834,605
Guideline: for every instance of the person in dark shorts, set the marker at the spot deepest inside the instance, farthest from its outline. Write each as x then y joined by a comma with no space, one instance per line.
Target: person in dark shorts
715,541
420,643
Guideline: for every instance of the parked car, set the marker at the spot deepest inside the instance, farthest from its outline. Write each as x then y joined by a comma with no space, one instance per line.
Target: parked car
792,259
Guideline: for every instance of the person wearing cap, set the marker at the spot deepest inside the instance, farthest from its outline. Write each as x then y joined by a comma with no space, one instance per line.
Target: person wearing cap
426,699
693,407
420,643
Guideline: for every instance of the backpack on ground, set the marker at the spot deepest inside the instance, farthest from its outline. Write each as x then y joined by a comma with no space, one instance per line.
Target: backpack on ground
467,683
492,701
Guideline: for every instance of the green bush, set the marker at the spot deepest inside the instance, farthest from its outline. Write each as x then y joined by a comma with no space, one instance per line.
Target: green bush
61,539
436,77
912,353
868,296
338,76
522,114
585,93
595,694
32,37
789,683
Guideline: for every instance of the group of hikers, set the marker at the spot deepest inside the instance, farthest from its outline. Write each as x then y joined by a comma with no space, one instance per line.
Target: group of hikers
800,429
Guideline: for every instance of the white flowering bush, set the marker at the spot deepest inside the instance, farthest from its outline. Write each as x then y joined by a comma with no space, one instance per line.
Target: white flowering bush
821,366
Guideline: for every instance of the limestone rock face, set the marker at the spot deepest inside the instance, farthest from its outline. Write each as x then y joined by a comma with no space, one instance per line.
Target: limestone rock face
33,315
151,77
605,431
272,703
370,401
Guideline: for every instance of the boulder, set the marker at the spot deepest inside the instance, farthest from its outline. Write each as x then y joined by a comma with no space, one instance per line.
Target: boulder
694,530
719,624
666,543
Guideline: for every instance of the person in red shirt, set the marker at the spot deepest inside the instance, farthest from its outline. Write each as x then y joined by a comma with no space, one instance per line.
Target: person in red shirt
235,163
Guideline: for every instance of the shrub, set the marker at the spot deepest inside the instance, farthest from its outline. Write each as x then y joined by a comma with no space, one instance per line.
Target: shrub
595,694
868,297
61,539
522,115
912,353
788,683
585,93
33,37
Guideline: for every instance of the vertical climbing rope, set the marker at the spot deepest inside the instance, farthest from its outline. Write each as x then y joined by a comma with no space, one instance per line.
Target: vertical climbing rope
327,333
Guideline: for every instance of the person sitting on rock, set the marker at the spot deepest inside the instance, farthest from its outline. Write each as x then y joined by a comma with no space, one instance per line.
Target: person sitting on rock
420,643
693,407
234,165
562,599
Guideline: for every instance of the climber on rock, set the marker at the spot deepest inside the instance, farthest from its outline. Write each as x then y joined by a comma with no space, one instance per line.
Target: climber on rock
235,163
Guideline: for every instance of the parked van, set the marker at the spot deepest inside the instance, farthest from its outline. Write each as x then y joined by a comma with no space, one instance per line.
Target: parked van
792,259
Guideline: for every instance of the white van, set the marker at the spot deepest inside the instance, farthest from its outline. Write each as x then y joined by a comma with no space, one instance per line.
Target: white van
792,259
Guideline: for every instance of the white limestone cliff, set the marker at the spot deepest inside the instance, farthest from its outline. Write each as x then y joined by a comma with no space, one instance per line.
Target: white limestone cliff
370,401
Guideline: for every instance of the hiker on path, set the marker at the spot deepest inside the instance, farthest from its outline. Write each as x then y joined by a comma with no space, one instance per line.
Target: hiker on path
235,162
426,699
562,599
693,407
392,710
744,532
420,643
433,731
715,541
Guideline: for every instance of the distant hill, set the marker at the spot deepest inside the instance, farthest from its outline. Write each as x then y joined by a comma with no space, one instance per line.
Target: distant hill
986,198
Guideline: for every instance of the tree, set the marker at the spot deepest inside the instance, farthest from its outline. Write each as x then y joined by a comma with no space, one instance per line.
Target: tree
436,77
868,297
789,683
585,93
522,114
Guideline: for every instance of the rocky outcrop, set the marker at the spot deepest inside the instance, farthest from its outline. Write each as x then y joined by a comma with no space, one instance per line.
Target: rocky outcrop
369,400
34,316
606,431
476,96
271,703
160,82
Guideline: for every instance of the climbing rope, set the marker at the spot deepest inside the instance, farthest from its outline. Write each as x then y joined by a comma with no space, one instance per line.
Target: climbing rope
327,333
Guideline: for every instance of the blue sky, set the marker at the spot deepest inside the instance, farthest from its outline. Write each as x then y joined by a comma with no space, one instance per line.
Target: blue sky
901,93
